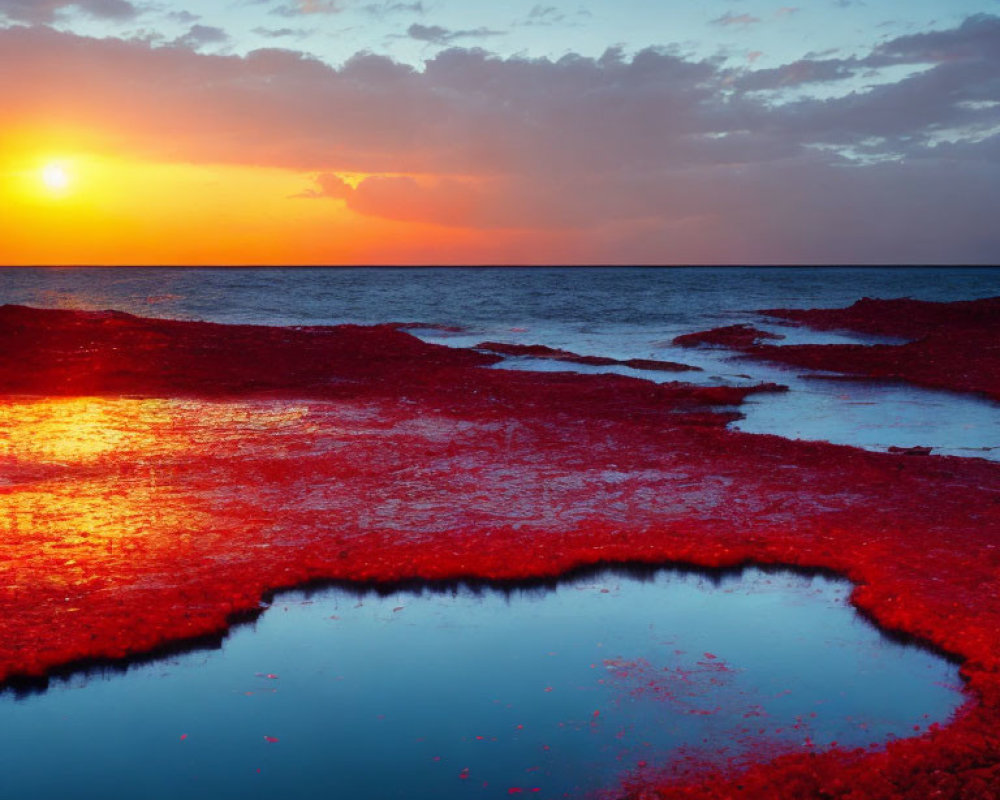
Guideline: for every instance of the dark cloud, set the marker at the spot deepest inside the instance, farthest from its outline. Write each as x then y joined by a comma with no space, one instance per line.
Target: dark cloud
435,34
545,15
200,35
978,37
729,19
183,17
798,73
387,8
955,73
108,9
38,12
280,33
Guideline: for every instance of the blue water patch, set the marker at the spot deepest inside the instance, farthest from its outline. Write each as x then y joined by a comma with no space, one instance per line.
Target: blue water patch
877,416
556,690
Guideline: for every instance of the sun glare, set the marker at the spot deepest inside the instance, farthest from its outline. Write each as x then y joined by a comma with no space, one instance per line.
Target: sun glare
55,177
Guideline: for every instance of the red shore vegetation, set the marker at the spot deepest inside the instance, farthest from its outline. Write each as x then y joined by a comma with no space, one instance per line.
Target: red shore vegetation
543,351
952,346
157,478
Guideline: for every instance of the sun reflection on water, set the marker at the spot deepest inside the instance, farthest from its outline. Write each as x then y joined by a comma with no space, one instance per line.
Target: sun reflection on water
94,491
79,430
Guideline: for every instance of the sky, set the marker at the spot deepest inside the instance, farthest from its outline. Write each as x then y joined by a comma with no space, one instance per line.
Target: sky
466,132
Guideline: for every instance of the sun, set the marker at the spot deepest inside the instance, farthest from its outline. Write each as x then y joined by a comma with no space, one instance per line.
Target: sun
55,177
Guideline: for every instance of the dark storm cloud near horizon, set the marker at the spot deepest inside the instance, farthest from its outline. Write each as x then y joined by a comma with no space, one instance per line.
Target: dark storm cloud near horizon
648,153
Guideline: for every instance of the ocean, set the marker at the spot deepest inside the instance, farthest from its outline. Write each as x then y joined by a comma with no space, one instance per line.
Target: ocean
619,312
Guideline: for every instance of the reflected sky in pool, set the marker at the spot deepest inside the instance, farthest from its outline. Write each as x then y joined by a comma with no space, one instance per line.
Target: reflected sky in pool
556,691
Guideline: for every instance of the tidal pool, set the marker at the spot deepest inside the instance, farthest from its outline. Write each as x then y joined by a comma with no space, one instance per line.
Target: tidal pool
551,690
873,415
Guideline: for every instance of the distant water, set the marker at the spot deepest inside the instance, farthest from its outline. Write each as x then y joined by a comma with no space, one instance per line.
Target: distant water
598,300
616,311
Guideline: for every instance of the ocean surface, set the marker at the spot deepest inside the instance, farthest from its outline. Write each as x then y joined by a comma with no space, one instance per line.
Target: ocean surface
618,312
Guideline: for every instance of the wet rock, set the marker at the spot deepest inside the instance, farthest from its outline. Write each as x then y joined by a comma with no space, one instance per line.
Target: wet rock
543,351
911,451
736,337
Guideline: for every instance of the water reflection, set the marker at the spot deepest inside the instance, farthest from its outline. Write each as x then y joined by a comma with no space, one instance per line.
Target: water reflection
78,430
480,690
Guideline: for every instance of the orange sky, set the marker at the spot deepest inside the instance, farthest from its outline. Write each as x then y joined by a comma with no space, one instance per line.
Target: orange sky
116,210
119,210
173,155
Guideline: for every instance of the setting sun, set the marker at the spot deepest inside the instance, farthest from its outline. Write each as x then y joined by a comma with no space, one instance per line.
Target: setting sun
55,177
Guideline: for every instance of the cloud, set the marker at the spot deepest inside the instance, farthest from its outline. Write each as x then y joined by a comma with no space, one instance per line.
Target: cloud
802,211
435,34
319,6
387,8
964,62
300,7
468,111
280,33
729,18
648,157
384,8
37,12
978,37
544,15
183,17
200,35
798,73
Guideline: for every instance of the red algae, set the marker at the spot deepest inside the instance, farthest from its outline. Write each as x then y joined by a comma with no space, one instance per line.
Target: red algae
543,351
954,346
158,478
902,317
735,336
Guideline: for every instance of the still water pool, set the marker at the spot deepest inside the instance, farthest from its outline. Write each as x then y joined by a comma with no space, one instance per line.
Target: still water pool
549,691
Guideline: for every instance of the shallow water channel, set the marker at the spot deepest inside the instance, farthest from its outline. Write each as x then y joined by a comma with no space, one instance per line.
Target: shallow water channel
551,690
872,415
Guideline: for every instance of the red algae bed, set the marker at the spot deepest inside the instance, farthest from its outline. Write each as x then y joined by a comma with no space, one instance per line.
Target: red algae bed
541,351
952,346
157,478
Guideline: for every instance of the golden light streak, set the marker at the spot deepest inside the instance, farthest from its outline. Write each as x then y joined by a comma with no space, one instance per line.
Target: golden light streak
128,431
89,481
